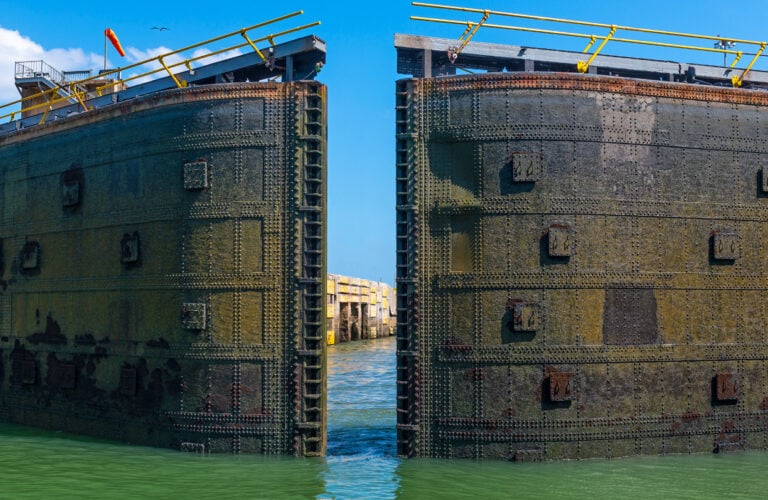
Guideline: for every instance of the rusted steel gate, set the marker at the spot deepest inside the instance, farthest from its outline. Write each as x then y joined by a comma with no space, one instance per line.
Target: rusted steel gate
164,270
581,264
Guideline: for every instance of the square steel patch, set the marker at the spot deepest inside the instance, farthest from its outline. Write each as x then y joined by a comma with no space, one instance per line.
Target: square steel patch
30,255
560,386
193,316
129,248
70,193
726,387
526,167
195,175
560,242
765,178
526,317
726,245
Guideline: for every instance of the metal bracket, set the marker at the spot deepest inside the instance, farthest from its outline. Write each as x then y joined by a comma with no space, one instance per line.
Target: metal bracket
180,84
453,52
738,80
253,46
582,66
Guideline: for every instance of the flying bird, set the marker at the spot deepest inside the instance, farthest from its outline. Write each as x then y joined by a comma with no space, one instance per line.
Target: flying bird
160,28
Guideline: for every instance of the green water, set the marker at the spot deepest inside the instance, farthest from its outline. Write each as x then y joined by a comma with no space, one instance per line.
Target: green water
361,461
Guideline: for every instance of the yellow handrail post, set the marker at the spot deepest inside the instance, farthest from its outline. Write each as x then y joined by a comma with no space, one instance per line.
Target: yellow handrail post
738,80
180,84
45,114
453,52
51,96
77,95
592,40
582,66
736,59
253,45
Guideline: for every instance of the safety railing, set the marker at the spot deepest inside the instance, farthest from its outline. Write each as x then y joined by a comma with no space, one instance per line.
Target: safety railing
37,69
76,87
58,81
722,44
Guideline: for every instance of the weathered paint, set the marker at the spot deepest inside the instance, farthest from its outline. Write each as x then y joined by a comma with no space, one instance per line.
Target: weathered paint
164,270
581,267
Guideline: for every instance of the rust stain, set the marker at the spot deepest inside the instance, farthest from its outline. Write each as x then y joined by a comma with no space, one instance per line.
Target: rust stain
51,334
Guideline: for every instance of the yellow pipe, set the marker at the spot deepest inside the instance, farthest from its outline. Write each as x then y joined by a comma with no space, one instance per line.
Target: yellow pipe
256,49
583,35
467,36
166,67
45,115
738,80
582,66
210,54
585,23
140,63
180,84
735,60
592,40
78,95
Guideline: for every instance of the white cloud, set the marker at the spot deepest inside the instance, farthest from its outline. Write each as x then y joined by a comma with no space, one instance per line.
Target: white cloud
16,47
202,55
135,55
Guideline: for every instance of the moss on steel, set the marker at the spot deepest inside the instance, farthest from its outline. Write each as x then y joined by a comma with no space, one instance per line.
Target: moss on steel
163,270
581,267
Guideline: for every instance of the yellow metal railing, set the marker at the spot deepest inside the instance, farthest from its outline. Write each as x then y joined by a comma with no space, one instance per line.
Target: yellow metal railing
76,93
722,44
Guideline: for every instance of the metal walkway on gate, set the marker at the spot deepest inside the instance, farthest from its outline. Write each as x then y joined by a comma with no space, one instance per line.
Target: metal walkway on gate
63,93
461,54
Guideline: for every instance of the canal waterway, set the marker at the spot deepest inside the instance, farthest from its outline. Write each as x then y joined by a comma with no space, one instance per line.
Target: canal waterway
361,461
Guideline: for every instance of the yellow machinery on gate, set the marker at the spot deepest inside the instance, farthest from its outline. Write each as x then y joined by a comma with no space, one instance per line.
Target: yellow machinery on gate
64,92
723,45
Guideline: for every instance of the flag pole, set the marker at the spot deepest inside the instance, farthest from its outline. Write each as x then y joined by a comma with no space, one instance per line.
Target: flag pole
105,51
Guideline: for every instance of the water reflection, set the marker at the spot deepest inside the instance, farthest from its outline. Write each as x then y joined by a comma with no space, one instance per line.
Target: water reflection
361,420
361,461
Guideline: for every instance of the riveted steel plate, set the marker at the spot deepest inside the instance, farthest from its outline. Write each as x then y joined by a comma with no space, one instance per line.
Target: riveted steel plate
650,336
174,265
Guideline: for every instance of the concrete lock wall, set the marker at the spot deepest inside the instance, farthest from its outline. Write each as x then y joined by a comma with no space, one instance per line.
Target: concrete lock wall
581,267
358,309
163,267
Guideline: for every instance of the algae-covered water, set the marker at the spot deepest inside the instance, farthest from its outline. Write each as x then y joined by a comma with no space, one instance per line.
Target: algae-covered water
361,461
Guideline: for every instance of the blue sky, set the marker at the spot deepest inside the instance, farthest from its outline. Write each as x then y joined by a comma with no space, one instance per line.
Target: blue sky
360,73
